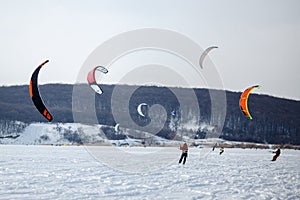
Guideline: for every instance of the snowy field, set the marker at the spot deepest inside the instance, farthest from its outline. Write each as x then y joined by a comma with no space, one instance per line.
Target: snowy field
77,172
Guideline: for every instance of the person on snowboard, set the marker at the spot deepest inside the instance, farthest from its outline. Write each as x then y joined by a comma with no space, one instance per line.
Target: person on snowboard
277,153
221,150
184,148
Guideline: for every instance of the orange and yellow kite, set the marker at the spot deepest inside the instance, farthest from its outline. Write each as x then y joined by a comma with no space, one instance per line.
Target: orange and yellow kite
244,100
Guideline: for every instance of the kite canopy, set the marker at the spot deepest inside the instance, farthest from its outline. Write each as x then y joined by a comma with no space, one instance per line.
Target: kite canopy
173,113
244,101
92,80
204,54
139,109
117,128
35,95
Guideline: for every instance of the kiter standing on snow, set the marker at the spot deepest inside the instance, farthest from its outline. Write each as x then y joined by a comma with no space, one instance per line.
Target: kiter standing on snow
221,150
277,153
184,148
215,146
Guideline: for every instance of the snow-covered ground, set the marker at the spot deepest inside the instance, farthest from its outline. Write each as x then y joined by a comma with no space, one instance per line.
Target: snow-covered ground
72,172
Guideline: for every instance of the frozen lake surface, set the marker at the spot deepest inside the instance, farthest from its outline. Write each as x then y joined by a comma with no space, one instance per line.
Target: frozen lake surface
76,172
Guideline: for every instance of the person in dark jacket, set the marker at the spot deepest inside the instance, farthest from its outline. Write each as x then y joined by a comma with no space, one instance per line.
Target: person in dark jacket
277,153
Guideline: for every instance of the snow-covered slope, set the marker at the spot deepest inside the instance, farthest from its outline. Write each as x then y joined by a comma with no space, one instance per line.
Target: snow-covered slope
76,133
51,133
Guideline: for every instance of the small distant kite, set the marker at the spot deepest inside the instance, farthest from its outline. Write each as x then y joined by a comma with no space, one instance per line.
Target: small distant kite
35,95
173,113
117,128
204,54
92,80
244,101
139,109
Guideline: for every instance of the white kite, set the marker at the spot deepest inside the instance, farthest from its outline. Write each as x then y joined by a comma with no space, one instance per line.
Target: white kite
139,109
204,54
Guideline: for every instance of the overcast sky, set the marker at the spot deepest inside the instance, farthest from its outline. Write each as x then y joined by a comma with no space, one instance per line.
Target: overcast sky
259,41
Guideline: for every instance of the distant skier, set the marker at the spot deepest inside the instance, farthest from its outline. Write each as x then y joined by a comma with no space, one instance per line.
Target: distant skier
277,153
221,150
184,148
214,146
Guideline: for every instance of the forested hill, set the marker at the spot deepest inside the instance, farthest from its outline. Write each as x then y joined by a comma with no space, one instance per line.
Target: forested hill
275,120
